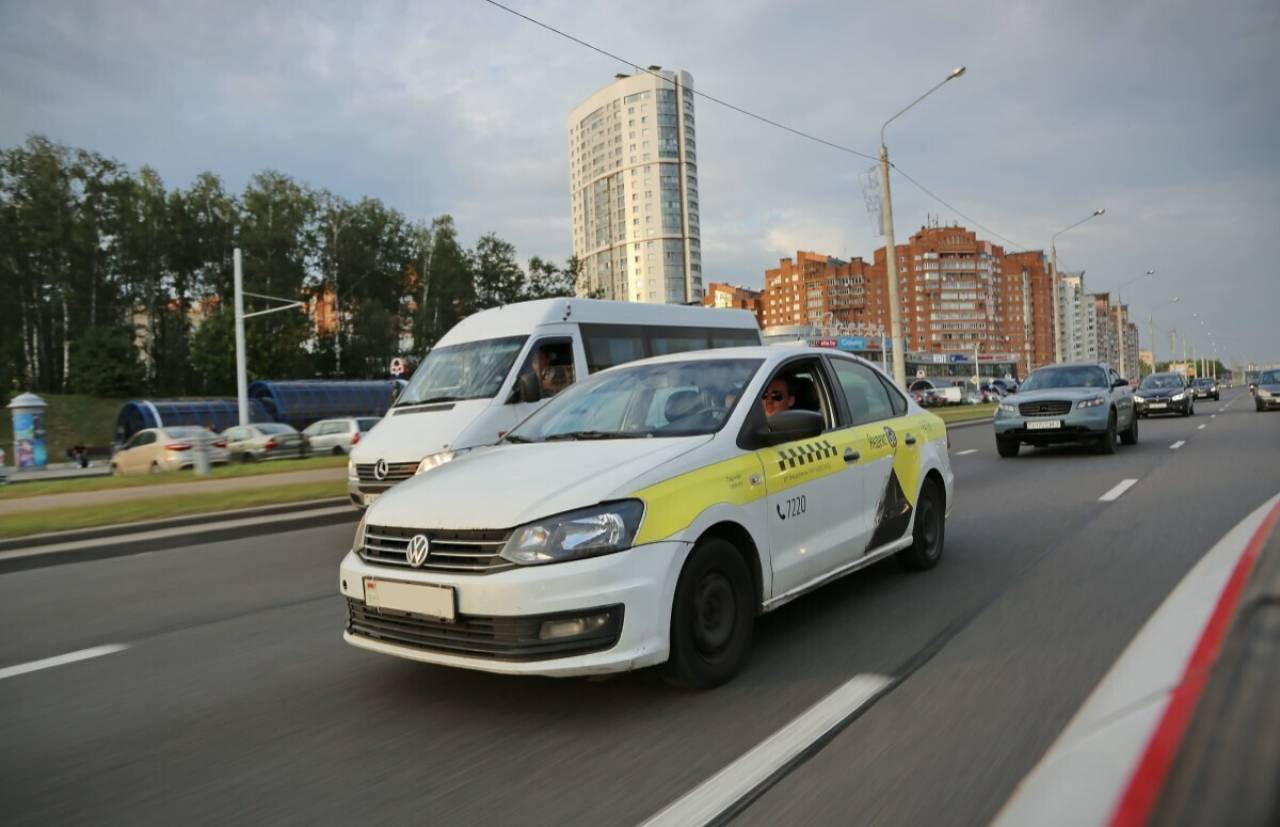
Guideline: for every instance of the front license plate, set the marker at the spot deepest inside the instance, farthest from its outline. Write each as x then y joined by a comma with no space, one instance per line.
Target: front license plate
1155,406
368,499
418,598
1044,425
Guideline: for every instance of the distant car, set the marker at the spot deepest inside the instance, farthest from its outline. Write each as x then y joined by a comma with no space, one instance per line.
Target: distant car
265,440
1267,395
1206,388
1163,393
166,449
337,436
1084,402
1007,385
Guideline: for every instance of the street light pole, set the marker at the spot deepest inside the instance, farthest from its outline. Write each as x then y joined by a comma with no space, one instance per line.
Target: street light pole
242,380
1151,332
890,246
1053,281
1120,324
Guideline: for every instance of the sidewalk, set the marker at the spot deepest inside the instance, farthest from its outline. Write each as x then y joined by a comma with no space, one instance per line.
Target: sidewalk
88,498
58,471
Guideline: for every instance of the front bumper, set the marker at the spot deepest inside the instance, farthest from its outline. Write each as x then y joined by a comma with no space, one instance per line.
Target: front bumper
639,582
1267,402
1147,408
1074,426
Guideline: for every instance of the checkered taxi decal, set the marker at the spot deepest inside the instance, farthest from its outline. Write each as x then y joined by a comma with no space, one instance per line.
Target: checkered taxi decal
805,454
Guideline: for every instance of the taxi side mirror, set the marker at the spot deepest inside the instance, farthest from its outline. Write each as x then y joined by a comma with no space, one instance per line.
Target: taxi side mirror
789,426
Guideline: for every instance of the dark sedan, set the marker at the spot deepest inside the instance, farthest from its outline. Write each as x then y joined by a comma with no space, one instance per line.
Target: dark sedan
1206,388
1164,393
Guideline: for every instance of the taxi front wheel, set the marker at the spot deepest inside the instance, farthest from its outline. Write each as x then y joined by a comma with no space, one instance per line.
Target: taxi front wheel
930,530
711,618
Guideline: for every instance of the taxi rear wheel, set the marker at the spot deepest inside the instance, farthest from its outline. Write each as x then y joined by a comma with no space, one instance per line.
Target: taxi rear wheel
711,617
930,530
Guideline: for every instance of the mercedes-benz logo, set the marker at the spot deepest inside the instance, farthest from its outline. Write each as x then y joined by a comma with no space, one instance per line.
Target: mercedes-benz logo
380,469
418,550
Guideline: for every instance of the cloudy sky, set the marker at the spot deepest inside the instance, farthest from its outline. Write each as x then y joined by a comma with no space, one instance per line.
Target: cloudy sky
1166,112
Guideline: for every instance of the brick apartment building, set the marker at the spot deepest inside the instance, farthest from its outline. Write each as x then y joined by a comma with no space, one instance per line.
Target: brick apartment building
719,294
956,292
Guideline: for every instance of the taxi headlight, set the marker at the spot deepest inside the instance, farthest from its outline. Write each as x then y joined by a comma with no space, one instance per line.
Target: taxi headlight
1092,402
1178,397
440,458
601,529
358,542
1008,408
1264,393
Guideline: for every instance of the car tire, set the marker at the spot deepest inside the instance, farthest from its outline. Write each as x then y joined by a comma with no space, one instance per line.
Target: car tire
1129,436
1258,405
337,451
1107,445
929,531
1007,448
115,469
154,469
712,617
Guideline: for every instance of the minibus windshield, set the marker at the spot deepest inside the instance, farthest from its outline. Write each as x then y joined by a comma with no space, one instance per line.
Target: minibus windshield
668,399
471,370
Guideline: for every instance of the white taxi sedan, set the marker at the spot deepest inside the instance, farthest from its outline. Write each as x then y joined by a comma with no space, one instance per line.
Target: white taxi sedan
648,514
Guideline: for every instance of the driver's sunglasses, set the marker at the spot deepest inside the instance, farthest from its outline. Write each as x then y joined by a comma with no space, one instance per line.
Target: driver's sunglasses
773,396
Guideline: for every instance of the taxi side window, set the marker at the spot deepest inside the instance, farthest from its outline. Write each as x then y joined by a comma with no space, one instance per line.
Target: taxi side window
896,399
808,388
867,398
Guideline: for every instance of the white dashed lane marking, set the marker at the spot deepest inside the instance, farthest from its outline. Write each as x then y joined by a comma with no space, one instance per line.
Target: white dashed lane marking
966,453
1201,428
710,800
1175,446
61,660
1114,493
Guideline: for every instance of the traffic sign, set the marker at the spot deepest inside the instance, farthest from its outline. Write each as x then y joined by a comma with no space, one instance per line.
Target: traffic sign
399,367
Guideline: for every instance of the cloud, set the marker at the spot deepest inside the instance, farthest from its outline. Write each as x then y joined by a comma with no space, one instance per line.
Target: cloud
1164,112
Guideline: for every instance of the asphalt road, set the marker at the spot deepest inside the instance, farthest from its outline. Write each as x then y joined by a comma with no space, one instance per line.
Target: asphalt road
236,699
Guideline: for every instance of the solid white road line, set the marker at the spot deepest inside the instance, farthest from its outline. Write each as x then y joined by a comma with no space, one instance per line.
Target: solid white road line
1201,428
1114,493
966,453
61,660
1175,446
713,797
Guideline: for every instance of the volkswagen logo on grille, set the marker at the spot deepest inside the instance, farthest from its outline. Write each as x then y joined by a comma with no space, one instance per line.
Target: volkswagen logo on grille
380,470
419,548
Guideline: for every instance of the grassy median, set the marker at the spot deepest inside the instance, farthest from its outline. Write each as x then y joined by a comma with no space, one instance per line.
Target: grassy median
219,472
964,413
63,519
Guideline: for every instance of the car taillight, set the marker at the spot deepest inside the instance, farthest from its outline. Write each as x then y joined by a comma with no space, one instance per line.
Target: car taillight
355,438
271,443
219,443
178,446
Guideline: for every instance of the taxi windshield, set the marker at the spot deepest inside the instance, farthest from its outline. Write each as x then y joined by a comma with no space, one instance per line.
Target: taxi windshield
668,399
472,370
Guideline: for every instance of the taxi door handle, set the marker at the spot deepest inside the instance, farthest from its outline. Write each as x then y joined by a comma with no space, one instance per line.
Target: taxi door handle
910,440
851,455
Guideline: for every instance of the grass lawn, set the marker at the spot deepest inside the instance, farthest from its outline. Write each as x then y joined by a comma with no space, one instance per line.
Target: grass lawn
70,418
219,472
964,413
40,522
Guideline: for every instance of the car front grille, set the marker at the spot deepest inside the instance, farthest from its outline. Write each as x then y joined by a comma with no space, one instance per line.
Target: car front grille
467,551
1051,407
498,638
396,471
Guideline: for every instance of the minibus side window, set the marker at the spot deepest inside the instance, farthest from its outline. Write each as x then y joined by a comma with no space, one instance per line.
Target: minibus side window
551,360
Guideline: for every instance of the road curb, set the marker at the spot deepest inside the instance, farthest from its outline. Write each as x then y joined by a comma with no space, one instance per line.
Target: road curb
39,551
968,423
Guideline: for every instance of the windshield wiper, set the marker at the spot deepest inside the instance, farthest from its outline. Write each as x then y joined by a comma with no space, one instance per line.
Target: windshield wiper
516,438
595,435
428,401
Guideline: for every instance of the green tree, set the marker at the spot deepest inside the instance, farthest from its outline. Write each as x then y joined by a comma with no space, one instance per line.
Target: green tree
213,355
498,278
547,281
450,289
104,362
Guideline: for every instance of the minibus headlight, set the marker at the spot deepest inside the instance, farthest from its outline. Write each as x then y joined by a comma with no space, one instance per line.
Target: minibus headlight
358,543
601,529
351,469
440,458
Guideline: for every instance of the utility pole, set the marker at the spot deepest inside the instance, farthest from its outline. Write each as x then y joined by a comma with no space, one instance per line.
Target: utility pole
242,377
